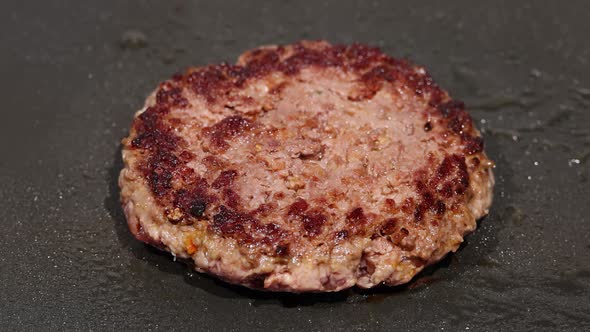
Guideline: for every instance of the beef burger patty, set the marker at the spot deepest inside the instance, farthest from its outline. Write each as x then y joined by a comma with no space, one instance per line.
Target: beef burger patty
305,167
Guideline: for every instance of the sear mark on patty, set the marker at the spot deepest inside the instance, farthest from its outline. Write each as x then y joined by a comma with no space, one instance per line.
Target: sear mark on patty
227,129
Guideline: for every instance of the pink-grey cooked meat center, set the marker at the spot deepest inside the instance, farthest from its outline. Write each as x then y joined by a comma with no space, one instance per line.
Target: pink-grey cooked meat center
305,167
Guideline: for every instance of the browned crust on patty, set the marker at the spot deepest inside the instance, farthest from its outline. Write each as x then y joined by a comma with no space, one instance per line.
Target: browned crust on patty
261,180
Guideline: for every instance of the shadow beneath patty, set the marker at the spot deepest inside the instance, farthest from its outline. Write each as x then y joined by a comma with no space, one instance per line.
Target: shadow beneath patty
112,204
442,272
291,300
165,262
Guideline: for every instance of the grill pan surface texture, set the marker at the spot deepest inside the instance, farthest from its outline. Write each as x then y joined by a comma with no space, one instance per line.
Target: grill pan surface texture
74,73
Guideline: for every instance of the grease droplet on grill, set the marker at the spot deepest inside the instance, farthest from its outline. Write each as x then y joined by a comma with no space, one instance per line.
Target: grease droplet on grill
133,39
